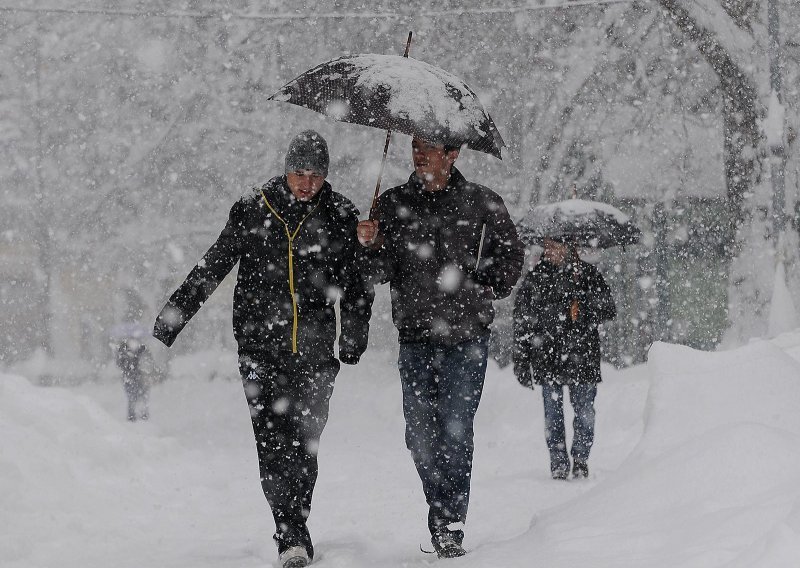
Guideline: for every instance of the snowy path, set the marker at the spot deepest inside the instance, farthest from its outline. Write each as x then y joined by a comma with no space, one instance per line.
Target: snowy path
80,487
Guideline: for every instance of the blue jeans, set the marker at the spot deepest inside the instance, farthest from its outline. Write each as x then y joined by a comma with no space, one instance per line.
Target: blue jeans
581,396
442,387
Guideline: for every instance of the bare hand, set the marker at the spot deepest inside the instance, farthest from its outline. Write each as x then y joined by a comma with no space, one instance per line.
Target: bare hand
367,232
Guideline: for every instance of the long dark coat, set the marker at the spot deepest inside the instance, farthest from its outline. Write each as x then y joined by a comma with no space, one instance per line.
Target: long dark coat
295,258
429,256
548,345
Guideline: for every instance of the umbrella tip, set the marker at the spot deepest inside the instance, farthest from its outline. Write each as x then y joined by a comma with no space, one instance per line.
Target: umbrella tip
408,43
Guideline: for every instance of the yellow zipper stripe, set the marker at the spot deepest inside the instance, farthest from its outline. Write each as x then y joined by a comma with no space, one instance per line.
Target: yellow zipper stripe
290,236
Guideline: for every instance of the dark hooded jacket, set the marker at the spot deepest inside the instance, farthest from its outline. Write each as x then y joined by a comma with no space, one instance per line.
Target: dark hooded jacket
548,345
429,254
295,258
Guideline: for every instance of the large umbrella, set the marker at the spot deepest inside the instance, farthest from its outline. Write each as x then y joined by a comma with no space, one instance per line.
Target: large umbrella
396,93
392,92
579,222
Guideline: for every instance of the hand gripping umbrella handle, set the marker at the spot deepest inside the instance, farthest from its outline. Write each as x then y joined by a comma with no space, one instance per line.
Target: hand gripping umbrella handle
574,309
385,150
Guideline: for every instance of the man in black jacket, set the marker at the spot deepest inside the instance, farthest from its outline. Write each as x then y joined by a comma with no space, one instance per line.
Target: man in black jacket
448,248
557,309
294,240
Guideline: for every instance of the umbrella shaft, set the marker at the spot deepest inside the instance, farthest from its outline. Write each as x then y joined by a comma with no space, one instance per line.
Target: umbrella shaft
380,175
386,149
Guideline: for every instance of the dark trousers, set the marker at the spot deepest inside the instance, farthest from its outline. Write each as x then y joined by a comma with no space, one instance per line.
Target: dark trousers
581,396
442,387
138,393
288,402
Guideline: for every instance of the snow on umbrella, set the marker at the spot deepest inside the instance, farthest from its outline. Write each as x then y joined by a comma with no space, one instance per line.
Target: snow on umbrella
580,222
396,93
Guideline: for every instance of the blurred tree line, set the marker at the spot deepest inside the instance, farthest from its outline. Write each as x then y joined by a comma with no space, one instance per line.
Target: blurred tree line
127,129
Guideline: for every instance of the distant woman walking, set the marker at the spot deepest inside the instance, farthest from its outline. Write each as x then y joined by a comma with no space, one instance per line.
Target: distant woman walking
556,313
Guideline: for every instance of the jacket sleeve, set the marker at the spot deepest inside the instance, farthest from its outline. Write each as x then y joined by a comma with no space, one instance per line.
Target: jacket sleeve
201,281
503,253
377,263
523,333
357,294
596,302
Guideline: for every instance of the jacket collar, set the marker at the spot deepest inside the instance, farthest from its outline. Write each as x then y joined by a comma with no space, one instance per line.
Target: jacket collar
456,182
281,198
551,268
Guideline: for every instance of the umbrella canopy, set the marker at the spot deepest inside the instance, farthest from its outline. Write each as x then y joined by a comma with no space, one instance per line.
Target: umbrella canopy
396,93
578,221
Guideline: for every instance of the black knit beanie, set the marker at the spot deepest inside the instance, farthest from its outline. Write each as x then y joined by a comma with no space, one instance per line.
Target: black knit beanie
308,151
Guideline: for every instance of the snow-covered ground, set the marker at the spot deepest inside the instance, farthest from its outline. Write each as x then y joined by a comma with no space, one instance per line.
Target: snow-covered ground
696,464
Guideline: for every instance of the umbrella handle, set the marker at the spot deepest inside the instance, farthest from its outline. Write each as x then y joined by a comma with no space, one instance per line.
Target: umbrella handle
574,309
372,211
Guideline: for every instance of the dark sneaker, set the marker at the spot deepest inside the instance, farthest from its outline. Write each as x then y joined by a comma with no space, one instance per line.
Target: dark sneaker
294,557
560,473
580,470
446,545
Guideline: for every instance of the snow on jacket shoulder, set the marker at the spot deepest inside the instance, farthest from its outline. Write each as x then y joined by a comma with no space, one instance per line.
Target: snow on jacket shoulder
295,258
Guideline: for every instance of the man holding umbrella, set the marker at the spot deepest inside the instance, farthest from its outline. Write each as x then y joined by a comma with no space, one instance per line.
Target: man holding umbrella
556,313
294,241
448,248
557,309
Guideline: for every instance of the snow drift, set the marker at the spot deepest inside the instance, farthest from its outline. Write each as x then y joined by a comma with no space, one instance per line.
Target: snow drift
696,464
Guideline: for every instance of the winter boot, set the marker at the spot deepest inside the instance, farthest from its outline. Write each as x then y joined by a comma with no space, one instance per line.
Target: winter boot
560,471
580,470
294,557
447,545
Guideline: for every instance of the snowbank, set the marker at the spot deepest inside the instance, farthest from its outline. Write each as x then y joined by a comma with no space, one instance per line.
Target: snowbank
67,469
695,465
713,481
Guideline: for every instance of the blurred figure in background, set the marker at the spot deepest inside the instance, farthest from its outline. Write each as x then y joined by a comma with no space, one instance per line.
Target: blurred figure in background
557,309
134,360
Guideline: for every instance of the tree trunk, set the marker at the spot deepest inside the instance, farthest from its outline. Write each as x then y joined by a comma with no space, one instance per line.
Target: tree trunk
741,108
751,208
